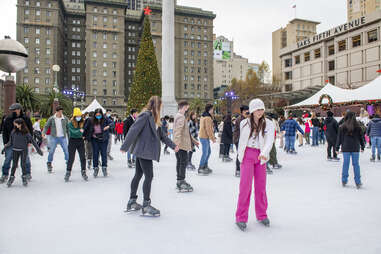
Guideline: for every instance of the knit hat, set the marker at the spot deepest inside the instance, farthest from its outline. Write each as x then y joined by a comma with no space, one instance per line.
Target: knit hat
15,106
77,112
256,104
329,114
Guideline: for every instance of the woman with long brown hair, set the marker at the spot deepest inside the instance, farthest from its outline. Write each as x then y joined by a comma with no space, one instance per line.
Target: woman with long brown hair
193,129
143,141
255,143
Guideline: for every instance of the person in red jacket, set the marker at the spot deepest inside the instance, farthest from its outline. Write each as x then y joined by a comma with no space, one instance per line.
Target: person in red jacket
119,131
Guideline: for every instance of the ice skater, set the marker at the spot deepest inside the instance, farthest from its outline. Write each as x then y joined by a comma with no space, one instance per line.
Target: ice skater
18,142
255,143
350,139
143,140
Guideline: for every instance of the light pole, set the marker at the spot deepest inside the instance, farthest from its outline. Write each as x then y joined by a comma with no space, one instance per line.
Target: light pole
229,97
56,68
74,94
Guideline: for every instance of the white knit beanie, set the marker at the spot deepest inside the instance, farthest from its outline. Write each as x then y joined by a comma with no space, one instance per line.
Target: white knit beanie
256,104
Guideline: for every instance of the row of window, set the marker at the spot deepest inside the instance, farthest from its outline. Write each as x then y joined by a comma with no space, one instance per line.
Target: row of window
193,29
38,3
37,12
192,86
192,61
192,53
75,44
105,10
37,70
105,20
192,78
192,37
104,82
105,55
76,29
192,21
28,30
192,95
105,64
37,80
192,69
341,46
105,73
193,44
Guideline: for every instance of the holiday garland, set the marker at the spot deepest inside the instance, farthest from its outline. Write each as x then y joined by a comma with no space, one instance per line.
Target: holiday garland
325,106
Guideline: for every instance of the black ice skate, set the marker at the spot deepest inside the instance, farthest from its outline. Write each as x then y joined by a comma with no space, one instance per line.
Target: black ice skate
132,205
50,167
24,181
10,181
29,177
110,157
208,169
84,176
335,159
3,179
241,225
104,170
329,158
183,186
344,184
269,171
359,186
277,166
149,210
88,164
372,159
203,171
226,159
265,222
67,176
96,170
237,173
130,163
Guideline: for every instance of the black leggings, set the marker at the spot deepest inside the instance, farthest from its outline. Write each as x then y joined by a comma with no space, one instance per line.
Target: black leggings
76,144
190,154
226,149
142,167
16,155
181,164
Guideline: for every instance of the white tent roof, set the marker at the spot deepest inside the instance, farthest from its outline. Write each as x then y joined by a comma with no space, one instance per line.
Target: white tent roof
371,91
337,94
93,106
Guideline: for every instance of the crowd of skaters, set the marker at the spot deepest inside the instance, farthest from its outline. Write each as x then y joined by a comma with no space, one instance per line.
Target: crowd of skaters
252,133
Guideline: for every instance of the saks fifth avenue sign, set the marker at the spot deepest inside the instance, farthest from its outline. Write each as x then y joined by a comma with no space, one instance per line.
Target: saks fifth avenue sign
333,32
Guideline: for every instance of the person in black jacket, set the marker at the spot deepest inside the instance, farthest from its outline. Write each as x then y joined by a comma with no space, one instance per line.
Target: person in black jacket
19,139
7,128
351,139
332,128
315,129
143,140
130,120
227,137
97,130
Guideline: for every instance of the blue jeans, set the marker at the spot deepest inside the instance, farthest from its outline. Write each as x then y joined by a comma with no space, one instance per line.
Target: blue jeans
205,143
356,166
376,143
129,156
322,136
315,136
54,141
8,160
290,143
99,147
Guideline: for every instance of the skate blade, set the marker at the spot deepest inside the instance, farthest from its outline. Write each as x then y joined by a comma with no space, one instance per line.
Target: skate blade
150,215
131,210
184,191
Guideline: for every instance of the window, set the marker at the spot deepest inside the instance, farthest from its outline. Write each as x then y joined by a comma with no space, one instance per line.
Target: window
331,50
356,41
104,91
27,2
105,19
26,80
95,91
38,13
49,13
37,80
105,45
47,71
47,81
115,20
331,65
288,75
114,55
104,55
342,45
287,62
37,40
114,12
114,83
94,54
95,9
297,59
48,51
95,19
317,53
104,36
104,10
26,40
26,30
26,12
38,31
38,4
115,37
372,36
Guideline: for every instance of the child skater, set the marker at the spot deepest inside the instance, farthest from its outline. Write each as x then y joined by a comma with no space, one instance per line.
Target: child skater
255,143
19,140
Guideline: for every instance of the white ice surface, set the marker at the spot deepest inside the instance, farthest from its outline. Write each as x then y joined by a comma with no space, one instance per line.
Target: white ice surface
309,210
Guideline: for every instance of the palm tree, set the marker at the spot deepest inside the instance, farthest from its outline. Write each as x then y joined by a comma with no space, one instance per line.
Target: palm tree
27,97
47,101
197,105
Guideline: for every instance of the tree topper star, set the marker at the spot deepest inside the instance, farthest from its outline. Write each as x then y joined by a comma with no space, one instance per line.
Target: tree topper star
147,11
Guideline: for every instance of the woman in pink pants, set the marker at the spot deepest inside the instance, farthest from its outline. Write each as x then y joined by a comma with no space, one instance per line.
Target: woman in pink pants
255,143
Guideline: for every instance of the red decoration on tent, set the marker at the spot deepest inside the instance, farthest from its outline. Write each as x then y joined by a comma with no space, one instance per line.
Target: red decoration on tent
147,11
326,81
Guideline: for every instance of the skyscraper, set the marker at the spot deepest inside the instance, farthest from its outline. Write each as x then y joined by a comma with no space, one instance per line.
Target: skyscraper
358,8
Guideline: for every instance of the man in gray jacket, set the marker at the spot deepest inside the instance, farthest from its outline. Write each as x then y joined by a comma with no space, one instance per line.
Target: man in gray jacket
58,132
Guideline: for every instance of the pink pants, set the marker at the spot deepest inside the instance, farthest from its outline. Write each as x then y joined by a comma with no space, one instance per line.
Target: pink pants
251,168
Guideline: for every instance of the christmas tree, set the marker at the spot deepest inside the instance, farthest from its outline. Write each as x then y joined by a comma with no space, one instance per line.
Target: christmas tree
147,81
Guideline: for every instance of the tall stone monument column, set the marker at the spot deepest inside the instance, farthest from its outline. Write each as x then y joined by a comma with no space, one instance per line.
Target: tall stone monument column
168,58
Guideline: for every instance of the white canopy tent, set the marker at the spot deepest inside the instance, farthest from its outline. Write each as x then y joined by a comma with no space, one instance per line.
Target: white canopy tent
336,93
371,91
93,106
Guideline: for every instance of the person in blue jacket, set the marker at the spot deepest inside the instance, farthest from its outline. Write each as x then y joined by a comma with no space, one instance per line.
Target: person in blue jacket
290,126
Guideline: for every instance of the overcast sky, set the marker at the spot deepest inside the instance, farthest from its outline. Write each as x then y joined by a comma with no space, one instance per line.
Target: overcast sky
249,22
